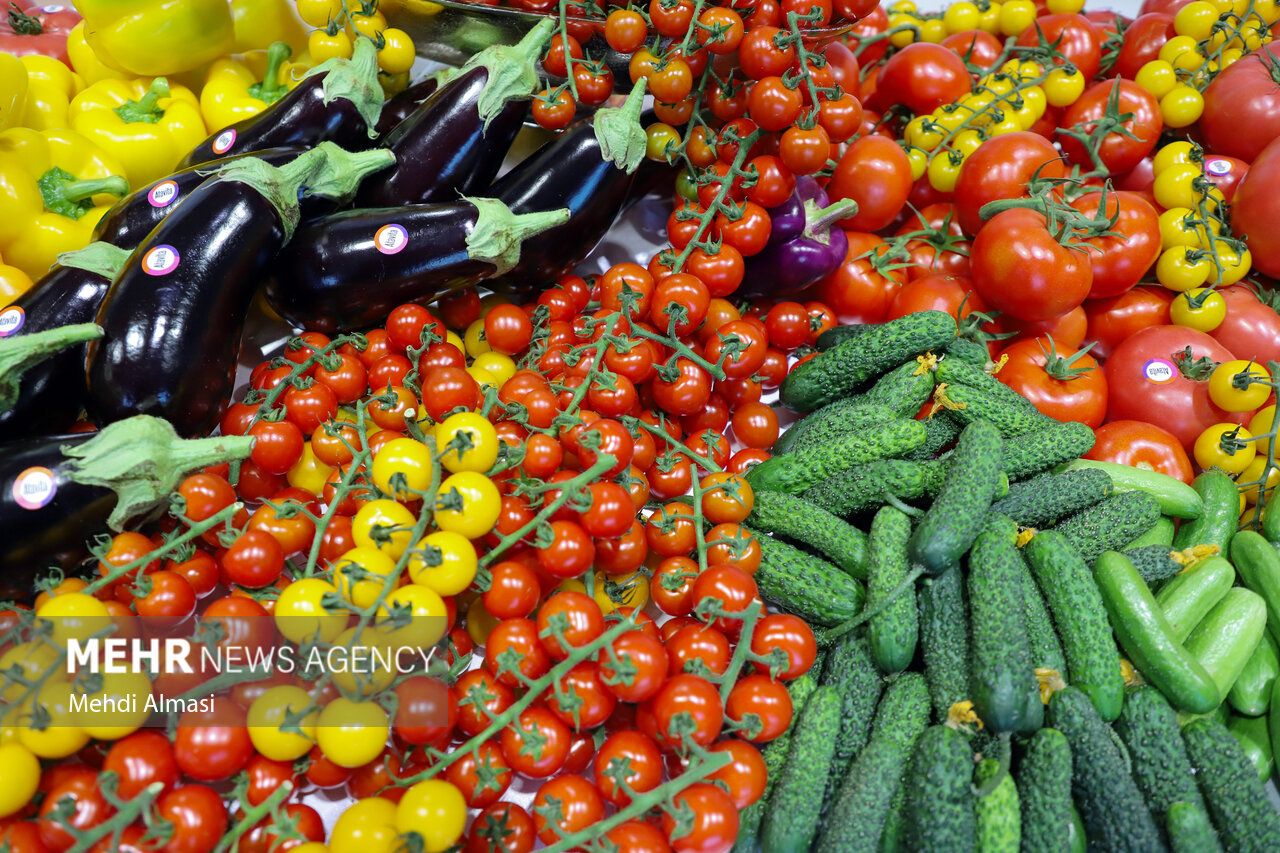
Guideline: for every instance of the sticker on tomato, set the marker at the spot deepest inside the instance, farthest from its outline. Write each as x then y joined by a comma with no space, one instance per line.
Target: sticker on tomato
163,194
1159,371
11,320
391,239
160,260
1217,166
34,488
223,141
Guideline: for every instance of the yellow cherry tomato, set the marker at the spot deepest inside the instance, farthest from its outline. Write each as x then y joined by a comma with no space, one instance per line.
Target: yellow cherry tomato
1174,187
1239,385
1195,19
369,25
1173,154
1178,270
477,436
300,614
1181,106
407,461
1262,425
324,47
1175,47
74,616
362,665
961,16
125,709
19,777
1236,456
427,617
919,161
1063,89
33,661
473,339
267,719
367,826
1182,226
309,473
1016,16
966,142
990,20
360,575
398,53
1157,77
943,172
1064,7
1235,265
318,13
904,36
480,622
614,591
351,733
468,503
435,812
383,525
1200,309
1251,478
445,561
58,735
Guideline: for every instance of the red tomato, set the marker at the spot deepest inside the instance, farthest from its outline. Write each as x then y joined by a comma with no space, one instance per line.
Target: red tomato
1066,330
1242,105
35,28
1111,321
1225,173
1256,209
1076,38
862,288
939,246
641,758
213,745
1142,42
975,47
88,809
1141,445
924,77
1019,268
140,759
1001,168
198,816
1251,329
1147,384
1044,373
715,820
1121,261
1119,152
875,173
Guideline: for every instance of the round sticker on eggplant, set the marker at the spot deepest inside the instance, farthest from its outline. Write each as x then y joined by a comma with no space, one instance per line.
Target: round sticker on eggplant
11,320
391,239
223,142
160,260
34,488
163,194
1159,371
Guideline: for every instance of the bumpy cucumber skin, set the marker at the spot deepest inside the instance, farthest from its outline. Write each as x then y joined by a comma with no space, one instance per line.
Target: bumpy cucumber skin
840,334
904,389
894,630
1044,793
853,362
833,421
796,803
999,820
976,405
1048,498
1108,799
800,469
1161,533
795,518
806,585
1220,517
1002,680
1154,563
850,670
1149,728
957,514
1251,694
1042,449
1093,662
939,432
944,639
1042,639
940,808
1109,525
866,485
960,372
1190,830
968,351
1237,802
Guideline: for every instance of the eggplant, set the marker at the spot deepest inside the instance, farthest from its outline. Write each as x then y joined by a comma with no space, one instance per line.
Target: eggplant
402,105
805,245
338,101
454,144
350,269
56,491
173,317
50,393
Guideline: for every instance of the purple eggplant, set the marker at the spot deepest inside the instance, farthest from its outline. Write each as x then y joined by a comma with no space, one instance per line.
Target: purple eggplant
588,169
338,101
402,105
805,244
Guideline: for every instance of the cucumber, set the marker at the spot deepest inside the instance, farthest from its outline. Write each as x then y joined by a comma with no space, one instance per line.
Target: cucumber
796,471
1147,638
1077,838
1002,680
839,334
970,405
959,372
1258,563
851,671
904,389
865,486
940,809
968,350
1220,517
997,814
1237,802
1251,694
893,631
944,640
806,585
1252,735
939,433
1093,663
903,712
1038,451
1149,729
1042,639
1109,525
1047,498
957,514
1109,801
796,803
1190,830
1224,640
841,418
851,363
1044,792
1155,563
1188,597
1273,716
1175,497
794,518
1161,533
1271,525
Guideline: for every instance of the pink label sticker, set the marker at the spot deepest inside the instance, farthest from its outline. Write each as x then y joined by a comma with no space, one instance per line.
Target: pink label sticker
224,141
34,488
163,194
161,260
391,239
11,320
1159,371
1217,166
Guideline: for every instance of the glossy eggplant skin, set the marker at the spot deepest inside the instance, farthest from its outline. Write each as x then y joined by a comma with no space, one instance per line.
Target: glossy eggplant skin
338,272
443,149
300,119
569,171
172,338
404,103
52,392
54,534
132,218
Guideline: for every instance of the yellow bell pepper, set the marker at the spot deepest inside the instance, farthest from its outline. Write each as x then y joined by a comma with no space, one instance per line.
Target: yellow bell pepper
261,23
13,283
54,187
50,87
150,38
85,62
237,89
13,91
147,125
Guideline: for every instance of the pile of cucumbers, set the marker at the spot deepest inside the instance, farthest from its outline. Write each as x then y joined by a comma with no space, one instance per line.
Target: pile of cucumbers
1019,649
